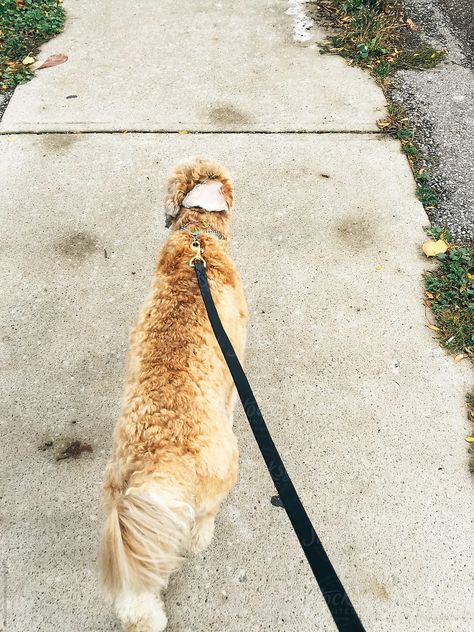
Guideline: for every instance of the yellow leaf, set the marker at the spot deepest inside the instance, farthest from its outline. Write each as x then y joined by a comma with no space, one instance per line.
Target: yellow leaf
378,267
469,439
433,248
460,356
28,61
429,295
183,131
433,327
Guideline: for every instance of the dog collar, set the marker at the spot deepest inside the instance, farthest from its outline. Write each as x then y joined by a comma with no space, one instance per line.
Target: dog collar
202,231
207,195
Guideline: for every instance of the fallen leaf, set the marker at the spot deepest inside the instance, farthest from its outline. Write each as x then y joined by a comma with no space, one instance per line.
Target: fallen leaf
412,26
378,267
433,248
28,61
460,356
433,327
470,276
53,60
469,439
183,131
19,3
429,295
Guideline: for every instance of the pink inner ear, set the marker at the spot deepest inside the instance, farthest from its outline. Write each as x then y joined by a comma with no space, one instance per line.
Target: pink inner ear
211,194
207,195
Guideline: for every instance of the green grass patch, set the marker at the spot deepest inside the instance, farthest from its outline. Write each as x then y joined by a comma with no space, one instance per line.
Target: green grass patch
24,26
450,295
376,34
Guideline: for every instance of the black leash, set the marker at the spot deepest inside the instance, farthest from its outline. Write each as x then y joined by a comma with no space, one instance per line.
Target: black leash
337,600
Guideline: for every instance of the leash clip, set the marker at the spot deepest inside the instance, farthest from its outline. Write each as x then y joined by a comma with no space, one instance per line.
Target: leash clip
196,248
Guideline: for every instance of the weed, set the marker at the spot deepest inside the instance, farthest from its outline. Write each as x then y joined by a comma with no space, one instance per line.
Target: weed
24,26
398,125
450,295
471,460
421,58
375,34
427,196
470,400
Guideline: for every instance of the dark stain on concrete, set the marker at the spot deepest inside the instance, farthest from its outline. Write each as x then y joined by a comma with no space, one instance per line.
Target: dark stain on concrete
355,232
226,114
78,245
63,448
59,142
73,450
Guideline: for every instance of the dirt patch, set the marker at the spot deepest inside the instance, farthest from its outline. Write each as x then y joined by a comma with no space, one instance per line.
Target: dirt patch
355,232
59,142
227,114
77,246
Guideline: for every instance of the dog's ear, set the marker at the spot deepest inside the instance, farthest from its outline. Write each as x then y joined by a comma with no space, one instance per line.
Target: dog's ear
186,176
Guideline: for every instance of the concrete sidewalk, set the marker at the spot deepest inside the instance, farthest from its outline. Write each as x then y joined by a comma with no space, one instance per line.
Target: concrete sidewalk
365,407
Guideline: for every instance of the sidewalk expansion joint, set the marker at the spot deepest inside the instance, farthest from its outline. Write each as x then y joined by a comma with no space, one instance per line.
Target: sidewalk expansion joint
188,132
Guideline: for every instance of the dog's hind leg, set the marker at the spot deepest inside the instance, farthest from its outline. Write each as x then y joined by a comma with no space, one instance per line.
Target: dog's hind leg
202,532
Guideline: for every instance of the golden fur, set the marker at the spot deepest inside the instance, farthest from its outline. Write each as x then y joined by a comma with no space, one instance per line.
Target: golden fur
174,453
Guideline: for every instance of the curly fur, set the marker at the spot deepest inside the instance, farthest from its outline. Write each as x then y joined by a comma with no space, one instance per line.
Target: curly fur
174,455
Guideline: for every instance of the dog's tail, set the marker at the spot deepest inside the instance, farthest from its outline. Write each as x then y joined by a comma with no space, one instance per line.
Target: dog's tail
146,532
186,175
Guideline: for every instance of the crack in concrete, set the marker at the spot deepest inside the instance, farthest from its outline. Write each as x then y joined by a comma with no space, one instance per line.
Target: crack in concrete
189,132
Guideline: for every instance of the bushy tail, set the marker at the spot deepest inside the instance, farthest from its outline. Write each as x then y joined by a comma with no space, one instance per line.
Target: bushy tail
147,530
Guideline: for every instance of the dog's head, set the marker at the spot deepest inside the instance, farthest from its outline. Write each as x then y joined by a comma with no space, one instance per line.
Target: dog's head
187,176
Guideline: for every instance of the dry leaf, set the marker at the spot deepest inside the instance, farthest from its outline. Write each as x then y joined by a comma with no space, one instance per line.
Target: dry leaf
429,295
20,3
183,131
433,327
53,60
470,276
469,439
460,356
412,26
433,248
28,61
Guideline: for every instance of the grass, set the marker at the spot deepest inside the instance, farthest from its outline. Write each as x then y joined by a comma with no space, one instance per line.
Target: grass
375,34
24,26
450,295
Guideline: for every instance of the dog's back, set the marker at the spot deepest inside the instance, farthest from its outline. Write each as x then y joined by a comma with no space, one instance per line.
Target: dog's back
174,456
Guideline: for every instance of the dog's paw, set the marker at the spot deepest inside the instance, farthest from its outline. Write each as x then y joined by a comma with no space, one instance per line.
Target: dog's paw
141,612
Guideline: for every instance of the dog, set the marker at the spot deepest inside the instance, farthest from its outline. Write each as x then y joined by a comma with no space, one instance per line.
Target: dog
174,456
